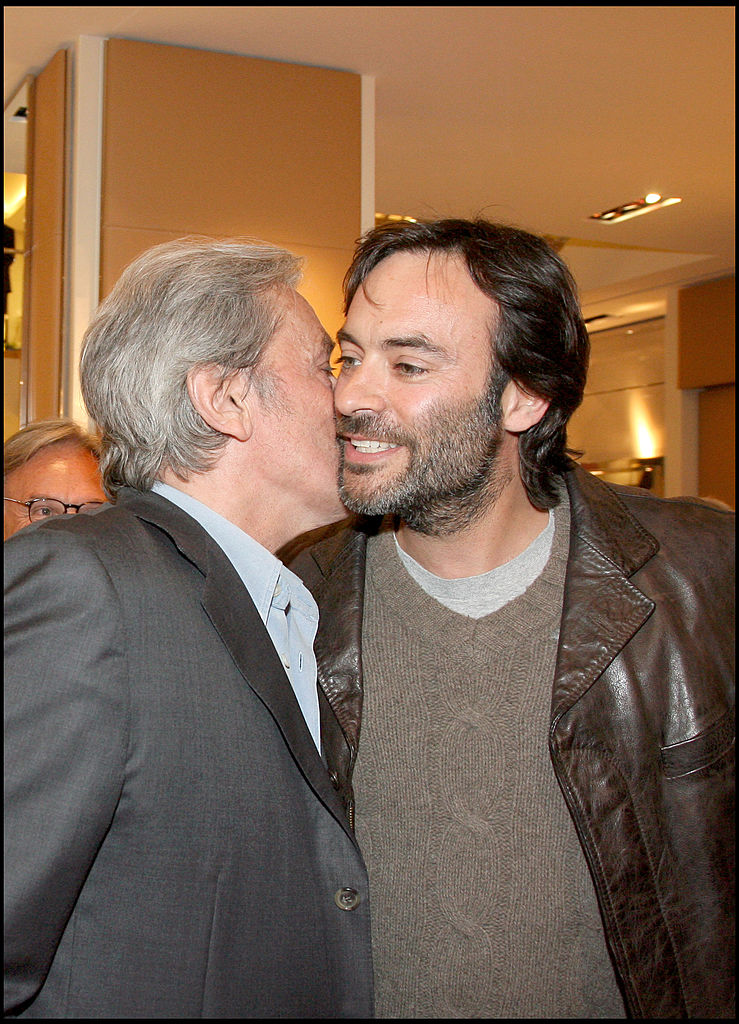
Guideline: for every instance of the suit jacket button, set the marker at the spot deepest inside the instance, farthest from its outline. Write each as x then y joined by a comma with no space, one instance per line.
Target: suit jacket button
347,899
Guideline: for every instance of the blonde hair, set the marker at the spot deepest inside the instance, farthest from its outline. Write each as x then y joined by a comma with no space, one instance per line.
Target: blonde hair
41,434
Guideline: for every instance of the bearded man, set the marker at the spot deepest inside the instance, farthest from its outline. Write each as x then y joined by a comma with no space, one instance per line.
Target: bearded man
540,663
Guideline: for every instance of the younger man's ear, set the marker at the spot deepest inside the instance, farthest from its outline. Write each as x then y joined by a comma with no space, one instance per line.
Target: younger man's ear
223,403
521,410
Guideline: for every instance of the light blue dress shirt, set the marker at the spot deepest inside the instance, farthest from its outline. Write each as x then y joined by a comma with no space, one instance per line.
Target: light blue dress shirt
284,603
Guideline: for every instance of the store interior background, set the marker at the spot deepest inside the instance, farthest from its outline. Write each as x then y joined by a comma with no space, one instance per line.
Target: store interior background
304,124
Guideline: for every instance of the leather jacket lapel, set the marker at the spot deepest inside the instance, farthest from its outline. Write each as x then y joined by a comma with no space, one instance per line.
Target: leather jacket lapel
340,596
602,609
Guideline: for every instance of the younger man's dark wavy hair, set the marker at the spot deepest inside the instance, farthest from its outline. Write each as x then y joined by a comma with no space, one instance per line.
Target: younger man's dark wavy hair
539,340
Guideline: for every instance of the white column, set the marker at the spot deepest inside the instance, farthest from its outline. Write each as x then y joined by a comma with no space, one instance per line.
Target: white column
368,153
681,414
83,212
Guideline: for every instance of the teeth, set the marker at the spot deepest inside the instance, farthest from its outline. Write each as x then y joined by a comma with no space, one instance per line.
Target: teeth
373,446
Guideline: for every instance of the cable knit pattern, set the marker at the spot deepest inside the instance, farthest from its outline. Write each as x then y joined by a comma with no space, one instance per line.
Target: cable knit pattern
482,903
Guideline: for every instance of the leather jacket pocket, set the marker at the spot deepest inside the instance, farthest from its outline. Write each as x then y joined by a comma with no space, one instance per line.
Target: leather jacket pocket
700,751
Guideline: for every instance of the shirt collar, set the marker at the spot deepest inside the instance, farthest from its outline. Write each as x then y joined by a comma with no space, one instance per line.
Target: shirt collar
263,574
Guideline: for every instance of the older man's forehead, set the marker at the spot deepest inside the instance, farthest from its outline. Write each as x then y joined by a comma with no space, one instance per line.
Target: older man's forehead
299,329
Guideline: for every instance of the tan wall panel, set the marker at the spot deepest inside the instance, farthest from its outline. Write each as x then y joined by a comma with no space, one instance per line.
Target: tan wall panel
11,393
324,268
45,235
210,143
706,334
201,143
119,246
717,472
43,369
324,271
47,155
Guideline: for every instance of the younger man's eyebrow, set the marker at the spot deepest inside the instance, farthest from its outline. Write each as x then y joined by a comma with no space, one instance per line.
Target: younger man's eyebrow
417,341
342,335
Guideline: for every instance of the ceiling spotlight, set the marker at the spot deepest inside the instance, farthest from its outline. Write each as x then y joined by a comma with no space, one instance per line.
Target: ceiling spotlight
652,201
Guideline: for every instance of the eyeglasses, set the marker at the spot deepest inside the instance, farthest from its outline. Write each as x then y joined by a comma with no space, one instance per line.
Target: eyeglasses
45,508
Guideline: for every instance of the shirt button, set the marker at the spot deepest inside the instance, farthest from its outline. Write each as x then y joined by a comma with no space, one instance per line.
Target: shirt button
347,899
334,776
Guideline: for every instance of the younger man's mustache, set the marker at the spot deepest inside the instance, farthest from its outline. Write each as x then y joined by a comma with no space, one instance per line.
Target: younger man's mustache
374,428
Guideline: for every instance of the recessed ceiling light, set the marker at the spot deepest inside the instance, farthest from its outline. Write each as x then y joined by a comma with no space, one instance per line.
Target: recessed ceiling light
652,201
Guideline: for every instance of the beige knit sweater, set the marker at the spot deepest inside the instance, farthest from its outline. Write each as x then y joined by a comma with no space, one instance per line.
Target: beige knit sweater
482,903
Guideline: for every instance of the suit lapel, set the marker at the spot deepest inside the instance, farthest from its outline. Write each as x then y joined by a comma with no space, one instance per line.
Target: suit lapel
229,607
340,595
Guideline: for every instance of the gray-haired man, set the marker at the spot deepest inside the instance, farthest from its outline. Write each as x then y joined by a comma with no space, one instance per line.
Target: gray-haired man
174,845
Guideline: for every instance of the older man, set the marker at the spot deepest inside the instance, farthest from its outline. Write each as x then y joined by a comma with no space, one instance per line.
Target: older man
174,844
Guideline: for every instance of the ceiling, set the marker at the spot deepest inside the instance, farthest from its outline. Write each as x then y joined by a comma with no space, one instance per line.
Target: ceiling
537,116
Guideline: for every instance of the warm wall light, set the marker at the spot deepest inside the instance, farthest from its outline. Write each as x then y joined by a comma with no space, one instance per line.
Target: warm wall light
15,194
652,201
644,440
386,218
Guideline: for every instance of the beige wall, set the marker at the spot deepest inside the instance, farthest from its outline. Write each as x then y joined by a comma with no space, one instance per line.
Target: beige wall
13,326
206,143
11,393
706,352
45,238
717,469
706,314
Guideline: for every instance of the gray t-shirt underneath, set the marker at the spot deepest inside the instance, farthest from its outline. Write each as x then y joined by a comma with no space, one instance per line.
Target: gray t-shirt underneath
477,596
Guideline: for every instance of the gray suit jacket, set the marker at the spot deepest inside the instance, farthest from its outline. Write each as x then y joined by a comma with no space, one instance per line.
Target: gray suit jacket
174,845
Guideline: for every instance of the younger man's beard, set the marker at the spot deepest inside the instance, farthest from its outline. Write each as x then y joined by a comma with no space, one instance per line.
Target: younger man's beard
453,475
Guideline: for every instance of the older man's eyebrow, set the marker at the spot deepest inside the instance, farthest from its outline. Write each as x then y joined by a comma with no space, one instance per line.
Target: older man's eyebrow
328,344
415,341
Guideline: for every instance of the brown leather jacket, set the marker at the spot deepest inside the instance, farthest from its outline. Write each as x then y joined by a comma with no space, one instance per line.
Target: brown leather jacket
641,733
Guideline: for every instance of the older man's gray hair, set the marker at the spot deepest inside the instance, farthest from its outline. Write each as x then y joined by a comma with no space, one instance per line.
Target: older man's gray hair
182,304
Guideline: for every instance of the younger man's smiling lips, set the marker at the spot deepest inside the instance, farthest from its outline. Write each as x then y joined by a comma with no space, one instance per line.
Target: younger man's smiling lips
367,447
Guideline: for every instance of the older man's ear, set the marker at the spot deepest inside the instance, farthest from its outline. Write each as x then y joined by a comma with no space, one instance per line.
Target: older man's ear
224,404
